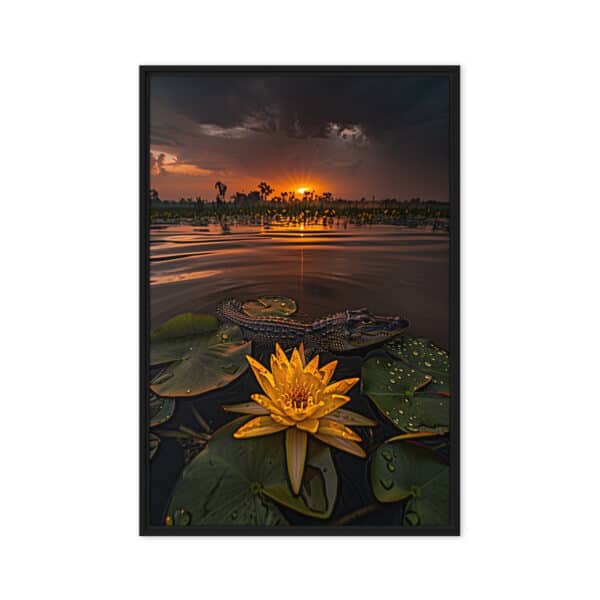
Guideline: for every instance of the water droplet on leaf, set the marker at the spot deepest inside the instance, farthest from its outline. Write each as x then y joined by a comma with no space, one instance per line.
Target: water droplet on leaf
182,517
412,518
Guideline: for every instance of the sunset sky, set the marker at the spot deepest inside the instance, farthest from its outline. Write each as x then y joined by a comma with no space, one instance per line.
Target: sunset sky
352,135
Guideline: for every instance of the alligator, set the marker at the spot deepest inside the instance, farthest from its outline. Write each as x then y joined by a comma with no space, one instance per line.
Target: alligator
340,332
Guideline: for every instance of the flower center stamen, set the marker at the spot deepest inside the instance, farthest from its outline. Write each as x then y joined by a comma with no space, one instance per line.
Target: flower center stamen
298,399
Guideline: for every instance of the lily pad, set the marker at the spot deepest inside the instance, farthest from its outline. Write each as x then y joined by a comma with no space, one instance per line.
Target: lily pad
172,340
402,394
270,306
423,355
207,361
238,482
160,410
402,470
153,444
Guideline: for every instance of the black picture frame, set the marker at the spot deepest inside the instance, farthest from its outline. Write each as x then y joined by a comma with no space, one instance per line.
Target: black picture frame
453,528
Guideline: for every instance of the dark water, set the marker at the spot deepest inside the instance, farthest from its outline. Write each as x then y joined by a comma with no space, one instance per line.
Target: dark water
386,268
390,270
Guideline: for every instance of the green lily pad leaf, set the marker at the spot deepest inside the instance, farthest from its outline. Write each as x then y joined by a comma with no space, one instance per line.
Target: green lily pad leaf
211,361
239,482
402,470
174,338
423,355
153,444
160,410
431,506
423,411
393,386
270,306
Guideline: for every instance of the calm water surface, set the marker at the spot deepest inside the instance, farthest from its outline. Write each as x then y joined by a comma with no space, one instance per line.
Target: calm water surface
389,269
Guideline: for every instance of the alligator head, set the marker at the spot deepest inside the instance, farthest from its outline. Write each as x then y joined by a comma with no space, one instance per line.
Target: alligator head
363,328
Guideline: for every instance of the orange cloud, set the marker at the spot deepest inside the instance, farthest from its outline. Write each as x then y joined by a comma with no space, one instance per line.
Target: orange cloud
165,162
187,169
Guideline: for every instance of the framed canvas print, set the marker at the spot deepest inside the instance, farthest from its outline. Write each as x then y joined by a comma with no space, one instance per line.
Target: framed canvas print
299,300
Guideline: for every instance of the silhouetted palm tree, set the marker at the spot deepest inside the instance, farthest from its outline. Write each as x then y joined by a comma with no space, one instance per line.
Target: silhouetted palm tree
221,191
265,190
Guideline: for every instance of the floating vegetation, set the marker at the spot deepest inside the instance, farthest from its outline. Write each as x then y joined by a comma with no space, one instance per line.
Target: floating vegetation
203,355
425,356
412,389
300,399
405,471
270,306
276,458
170,341
160,409
241,482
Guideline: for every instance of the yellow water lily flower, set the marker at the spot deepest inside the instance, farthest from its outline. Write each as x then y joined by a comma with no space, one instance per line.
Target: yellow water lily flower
301,399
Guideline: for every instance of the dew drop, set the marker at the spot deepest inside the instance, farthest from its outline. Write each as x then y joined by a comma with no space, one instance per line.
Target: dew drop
182,517
412,518
387,454
387,483
391,467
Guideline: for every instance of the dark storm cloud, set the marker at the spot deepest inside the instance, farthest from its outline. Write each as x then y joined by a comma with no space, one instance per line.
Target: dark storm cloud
384,106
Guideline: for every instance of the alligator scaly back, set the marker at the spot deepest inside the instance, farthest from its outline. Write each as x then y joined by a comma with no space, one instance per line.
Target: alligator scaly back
338,332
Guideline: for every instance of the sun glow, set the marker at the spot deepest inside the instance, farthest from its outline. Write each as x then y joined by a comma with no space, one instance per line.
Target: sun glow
301,190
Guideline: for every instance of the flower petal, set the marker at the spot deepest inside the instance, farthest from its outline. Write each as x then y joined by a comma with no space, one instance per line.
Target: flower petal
327,370
310,425
283,420
301,352
258,426
278,371
246,408
267,403
313,365
341,386
328,427
296,361
345,445
296,443
263,376
331,403
348,417
281,356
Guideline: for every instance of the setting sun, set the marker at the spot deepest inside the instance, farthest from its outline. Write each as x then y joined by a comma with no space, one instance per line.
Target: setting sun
301,190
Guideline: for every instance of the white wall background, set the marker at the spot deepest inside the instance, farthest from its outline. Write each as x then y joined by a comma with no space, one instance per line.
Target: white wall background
69,339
